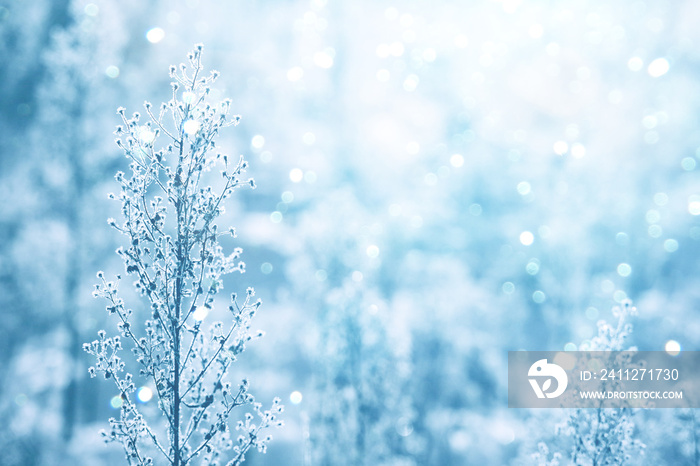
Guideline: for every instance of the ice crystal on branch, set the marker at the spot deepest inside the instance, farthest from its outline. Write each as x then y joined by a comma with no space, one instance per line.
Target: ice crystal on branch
177,263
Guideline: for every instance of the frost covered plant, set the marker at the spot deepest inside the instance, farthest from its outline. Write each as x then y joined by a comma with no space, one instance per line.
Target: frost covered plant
361,417
542,456
174,255
601,436
612,337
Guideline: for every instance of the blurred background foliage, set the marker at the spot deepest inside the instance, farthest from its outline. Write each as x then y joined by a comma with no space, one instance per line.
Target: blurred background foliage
438,183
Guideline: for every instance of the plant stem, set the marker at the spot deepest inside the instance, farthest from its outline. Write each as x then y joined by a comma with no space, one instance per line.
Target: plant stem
181,250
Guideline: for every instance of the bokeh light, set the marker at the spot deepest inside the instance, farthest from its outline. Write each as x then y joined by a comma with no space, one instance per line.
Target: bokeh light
295,397
200,313
527,238
296,175
144,394
672,347
155,35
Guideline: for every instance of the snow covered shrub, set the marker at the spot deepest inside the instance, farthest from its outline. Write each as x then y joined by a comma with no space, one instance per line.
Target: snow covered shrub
174,255
363,416
602,435
360,410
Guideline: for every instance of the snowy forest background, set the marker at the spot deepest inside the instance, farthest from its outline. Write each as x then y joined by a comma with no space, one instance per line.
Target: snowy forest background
438,183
